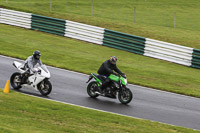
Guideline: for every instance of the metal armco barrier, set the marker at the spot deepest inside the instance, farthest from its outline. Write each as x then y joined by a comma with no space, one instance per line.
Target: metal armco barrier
168,51
48,24
84,32
196,58
15,18
124,41
139,45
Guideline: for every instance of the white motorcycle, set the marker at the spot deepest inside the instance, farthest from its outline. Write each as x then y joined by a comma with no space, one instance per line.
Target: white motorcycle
38,80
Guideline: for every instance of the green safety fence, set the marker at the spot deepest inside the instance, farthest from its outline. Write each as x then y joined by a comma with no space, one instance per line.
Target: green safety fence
196,58
124,41
48,24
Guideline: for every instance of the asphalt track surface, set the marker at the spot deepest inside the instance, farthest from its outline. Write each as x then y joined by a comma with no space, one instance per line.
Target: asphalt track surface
151,104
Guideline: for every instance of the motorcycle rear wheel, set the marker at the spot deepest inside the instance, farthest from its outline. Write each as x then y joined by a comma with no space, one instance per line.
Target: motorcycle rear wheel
91,89
125,96
15,80
45,87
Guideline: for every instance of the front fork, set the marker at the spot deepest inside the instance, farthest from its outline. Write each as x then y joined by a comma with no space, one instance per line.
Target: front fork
122,89
42,84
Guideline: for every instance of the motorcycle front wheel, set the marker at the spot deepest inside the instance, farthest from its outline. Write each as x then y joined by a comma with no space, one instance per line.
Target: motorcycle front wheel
45,87
91,88
125,96
15,80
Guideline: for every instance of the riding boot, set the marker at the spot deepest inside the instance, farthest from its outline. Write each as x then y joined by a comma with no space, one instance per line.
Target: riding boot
24,78
102,89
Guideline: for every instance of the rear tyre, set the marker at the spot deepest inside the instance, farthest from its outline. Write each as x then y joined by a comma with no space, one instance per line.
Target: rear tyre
125,96
45,87
91,88
15,80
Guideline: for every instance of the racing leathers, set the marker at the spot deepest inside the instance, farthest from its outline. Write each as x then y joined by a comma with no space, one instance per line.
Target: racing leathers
29,65
105,70
31,62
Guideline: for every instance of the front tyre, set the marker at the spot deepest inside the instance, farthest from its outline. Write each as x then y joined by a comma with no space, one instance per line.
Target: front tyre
15,80
45,87
125,96
91,88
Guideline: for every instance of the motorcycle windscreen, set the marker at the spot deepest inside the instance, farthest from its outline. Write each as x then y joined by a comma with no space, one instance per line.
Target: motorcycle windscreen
45,72
45,68
123,80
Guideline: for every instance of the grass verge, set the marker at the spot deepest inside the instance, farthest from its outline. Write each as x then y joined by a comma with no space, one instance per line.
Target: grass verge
154,19
86,58
21,113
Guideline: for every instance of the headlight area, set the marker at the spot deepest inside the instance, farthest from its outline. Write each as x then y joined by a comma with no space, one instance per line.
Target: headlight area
125,80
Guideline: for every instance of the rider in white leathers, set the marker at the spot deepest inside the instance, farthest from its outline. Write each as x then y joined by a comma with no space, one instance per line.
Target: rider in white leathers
30,63
33,60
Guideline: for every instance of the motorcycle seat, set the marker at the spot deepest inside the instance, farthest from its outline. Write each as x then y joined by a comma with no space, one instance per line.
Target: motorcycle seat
101,77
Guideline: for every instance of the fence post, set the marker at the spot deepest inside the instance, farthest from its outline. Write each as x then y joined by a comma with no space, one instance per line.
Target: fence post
103,8
50,9
77,3
175,20
92,8
134,19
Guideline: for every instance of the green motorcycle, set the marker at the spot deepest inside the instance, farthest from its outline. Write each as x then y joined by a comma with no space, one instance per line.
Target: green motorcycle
116,86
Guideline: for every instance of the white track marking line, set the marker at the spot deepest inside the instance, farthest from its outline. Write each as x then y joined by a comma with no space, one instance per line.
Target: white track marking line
100,110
